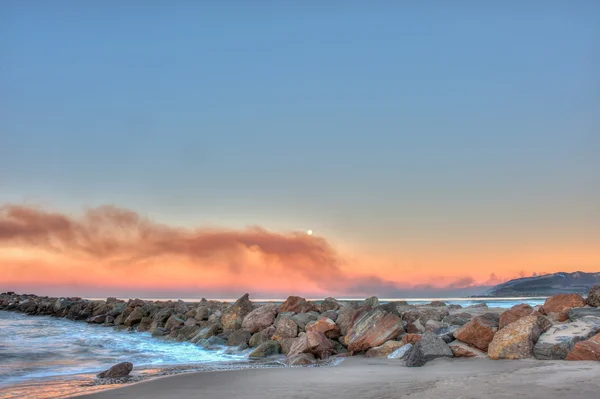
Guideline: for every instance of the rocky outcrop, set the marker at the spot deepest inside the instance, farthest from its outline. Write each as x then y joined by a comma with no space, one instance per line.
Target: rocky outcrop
517,339
117,371
298,305
513,314
586,350
267,348
260,318
384,350
479,332
593,298
558,306
429,347
558,341
373,329
233,316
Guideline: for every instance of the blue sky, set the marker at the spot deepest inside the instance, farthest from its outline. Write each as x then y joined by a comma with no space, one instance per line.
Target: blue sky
388,127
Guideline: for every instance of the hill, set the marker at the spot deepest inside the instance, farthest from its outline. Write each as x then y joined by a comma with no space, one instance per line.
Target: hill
546,285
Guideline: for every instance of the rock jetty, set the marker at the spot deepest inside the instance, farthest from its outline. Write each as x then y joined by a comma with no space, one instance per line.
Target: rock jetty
567,326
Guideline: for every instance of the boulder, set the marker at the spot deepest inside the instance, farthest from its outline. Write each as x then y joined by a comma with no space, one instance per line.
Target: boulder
329,304
556,307
586,350
96,319
190,322
117,371
345,317
312,342
437,303
429,347
558,341
286,328
302,319
410,338
261,336
145,324
286,344
301,359
370,302
260,318
239,338
433,325
187,333
267,348
517,339
479,332
233,316
373,329
514,314
577,313
401,352
460,349
298,305
202,313
384,350
323,325
331,314
459,319
593,298
206,332
415,327
213,342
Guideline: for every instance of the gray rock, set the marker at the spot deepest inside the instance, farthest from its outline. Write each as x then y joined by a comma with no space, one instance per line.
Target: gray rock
556,343
239,337
593,298
429,347
577,313
459,319
117,371
401,352
301,359
371,301
212,343
261,336
267,348
302,319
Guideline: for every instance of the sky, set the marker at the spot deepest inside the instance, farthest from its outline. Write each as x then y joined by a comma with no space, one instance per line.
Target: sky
179,149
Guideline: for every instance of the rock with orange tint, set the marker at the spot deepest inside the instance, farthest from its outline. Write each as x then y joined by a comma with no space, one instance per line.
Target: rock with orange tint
556,307
513,314
479,332
384,350
517,339
298,305
233,316
586,350
260,318
460,349
559,340
373,328
410,338
323,325
313,342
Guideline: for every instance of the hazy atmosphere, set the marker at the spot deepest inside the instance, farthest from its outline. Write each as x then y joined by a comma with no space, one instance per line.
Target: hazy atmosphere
216,150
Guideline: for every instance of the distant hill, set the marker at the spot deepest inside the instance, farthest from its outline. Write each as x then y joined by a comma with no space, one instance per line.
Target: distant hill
546,285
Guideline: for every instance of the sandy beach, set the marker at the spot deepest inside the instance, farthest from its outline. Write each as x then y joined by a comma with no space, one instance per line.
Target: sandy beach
360,377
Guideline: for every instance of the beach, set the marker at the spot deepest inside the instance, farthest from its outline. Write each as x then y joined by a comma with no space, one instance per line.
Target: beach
360,377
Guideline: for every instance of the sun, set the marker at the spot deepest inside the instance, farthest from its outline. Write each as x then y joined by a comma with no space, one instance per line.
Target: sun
309,232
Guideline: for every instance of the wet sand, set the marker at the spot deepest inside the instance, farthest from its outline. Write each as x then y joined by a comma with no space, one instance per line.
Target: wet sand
360,377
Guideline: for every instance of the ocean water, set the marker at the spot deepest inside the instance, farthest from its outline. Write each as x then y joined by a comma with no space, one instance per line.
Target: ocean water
48,357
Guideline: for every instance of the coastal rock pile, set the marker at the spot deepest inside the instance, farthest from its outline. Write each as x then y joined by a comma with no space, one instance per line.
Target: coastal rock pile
565,327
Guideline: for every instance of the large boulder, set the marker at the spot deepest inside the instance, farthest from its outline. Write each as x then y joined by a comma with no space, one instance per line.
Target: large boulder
370,302
267,348
517,339
344,319
323,325
479,332
429,347
460,349
593,298
329,304
458,319
410,338
586,350
558,341
233,316
557,307
313,342
384,350
260,318
239,338
206,332
117,371
286,328
302,319
373,329
513,314
298,305
261,336
577,313
401,352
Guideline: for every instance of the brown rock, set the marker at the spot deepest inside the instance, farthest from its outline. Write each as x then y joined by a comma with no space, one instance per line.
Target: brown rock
345,317
298,305
586,350
556,307
312,342
460,349
593,298
373,329
260,318
233,317
384,350
410,339
286,328
479,332
517,339
286,344
117,371
262,336
513,314
322,325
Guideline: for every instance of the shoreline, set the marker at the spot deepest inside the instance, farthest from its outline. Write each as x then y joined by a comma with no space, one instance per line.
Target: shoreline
360,377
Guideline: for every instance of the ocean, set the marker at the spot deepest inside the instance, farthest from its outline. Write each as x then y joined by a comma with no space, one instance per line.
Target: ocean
43,356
